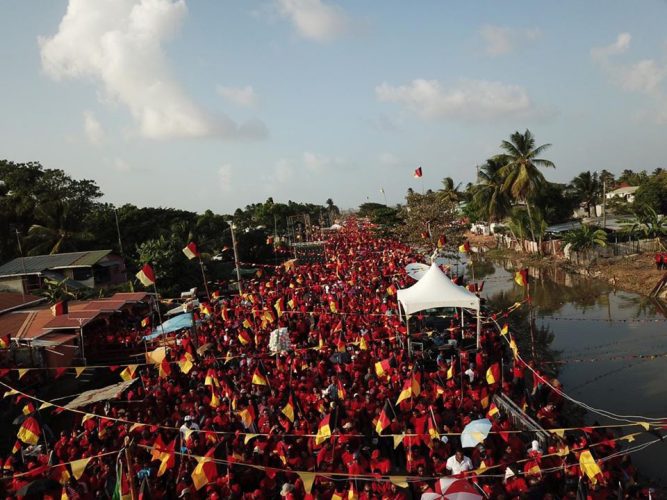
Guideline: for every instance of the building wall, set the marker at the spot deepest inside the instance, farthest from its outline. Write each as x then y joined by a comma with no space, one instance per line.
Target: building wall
13,284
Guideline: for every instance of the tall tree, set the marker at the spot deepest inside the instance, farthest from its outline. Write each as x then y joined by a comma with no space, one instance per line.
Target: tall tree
58,229
523,179
587,189
489,195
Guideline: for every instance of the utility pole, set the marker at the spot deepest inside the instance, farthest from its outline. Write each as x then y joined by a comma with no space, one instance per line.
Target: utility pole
604,203
236,257
18,240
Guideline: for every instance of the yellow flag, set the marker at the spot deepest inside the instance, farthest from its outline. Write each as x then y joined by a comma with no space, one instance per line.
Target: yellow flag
398,439
78,466
128,373
400,481
589,466
22,372
308,478
45,405
249,437
79,370
156,356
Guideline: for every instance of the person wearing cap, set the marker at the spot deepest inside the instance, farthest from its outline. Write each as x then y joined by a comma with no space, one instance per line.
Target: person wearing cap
515,486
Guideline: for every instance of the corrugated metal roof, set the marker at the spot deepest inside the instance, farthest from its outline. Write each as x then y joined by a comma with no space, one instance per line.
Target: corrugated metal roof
39,263
12,300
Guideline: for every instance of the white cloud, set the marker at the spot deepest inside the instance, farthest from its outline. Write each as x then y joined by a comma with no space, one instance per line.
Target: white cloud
315,162
225,178
646,76
314,19
501,40
92,128
619,46
468,100
119,44
241,96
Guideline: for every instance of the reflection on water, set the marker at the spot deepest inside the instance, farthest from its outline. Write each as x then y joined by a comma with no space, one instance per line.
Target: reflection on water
597,333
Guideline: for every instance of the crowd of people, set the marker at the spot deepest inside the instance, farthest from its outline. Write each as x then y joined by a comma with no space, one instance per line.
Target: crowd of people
342,411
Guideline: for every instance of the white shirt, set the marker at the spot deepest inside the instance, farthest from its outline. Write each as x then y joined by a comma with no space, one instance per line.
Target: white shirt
471,374
457,467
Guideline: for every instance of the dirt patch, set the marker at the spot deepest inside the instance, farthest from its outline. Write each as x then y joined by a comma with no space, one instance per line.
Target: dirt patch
636,273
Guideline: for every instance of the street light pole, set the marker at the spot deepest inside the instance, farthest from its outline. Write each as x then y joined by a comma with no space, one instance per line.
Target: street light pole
236,258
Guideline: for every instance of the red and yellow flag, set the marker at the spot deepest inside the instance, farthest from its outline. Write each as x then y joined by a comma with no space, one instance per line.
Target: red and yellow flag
521,277
288,409
384,419
323,430
258,378
146,275
382,368
205,471
29,432
191,251
493,374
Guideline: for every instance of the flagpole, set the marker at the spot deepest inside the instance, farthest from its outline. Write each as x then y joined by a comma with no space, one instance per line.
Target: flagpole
201,265
236,258
384,195
159,314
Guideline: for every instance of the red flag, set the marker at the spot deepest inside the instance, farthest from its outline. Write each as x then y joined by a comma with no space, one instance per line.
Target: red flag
191,251
146,275
418,173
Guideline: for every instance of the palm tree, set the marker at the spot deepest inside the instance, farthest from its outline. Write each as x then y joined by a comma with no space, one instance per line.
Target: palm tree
59,231
585,238
449,192
489,194
587,187
523,178
648,223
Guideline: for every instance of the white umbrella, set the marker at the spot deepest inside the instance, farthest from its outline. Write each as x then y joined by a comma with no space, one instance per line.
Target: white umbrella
475,432
449,488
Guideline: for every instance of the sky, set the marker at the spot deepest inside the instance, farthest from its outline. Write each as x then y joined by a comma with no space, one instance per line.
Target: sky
216,104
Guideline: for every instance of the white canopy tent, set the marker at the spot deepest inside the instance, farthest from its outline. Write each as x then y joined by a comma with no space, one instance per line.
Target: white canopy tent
435,290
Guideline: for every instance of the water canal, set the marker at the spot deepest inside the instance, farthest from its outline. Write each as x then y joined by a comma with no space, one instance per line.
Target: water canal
594,336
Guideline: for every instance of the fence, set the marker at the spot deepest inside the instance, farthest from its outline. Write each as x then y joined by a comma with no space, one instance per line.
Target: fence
520,419
614,250
557,247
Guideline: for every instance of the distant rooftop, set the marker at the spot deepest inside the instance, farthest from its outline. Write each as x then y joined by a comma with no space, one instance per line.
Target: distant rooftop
39,263
625,190
10,301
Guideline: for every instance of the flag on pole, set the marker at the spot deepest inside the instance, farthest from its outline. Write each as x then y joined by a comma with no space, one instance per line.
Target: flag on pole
205,471
258,378
465,248
146,275
5,341
288,409
521,277
493,374
323,430
382,367
29,431
442,241
418,173
384,419
146,322
191,251
493,411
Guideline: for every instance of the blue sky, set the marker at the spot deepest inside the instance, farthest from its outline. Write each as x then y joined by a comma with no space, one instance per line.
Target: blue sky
217,104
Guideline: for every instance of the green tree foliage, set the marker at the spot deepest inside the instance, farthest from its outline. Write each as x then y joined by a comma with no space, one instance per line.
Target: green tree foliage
585,238
430,210
587,189
490,200
652,193
647,223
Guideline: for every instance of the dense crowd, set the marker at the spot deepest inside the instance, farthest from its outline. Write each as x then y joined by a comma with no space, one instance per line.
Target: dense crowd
266,419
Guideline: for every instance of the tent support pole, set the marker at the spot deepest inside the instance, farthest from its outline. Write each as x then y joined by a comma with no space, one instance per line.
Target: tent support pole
479,329
407,325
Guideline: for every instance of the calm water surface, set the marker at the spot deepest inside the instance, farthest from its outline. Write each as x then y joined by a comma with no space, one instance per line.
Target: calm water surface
589,320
